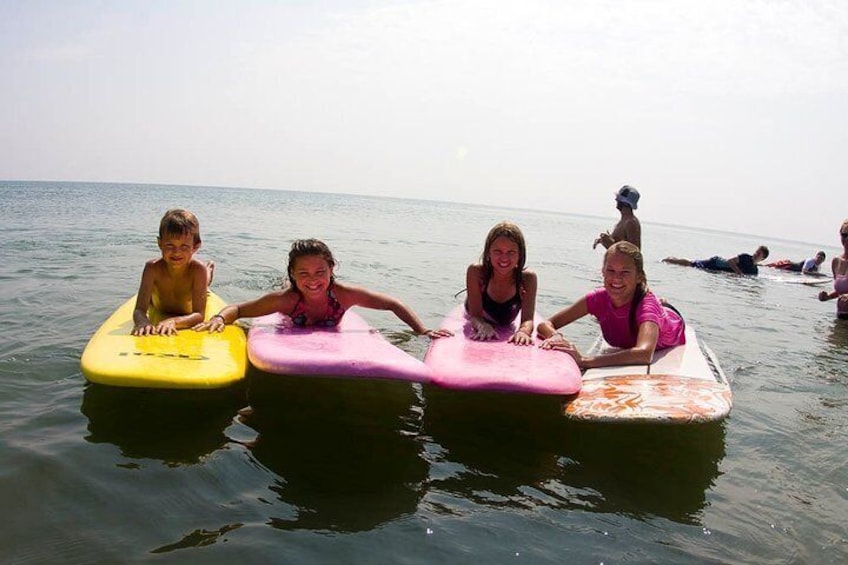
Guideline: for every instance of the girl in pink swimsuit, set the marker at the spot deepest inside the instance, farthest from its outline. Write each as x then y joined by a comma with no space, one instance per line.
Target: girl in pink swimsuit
314,297
631,317
839,266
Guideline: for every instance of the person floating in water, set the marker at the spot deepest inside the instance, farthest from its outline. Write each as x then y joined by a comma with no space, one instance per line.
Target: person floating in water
628,227
808,267
839,267
176,283
742,264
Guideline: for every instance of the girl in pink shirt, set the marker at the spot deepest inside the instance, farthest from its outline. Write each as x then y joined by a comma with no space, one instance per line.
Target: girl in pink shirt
631,317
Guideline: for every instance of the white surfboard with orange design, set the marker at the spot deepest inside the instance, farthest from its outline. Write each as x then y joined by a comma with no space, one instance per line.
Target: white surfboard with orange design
684,384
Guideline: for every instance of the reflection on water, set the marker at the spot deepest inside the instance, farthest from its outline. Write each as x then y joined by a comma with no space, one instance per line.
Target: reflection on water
837,336
389,462
514,450
344,453
175,426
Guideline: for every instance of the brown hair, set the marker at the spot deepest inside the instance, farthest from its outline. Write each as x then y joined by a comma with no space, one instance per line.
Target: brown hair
305,247
513,233
179,222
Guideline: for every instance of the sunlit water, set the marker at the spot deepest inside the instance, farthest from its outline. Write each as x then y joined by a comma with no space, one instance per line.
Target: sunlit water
337,470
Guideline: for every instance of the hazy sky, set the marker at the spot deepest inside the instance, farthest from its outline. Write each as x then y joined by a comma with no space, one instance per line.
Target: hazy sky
725,114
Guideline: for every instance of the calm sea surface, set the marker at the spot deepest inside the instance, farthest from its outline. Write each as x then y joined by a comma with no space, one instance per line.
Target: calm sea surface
331,470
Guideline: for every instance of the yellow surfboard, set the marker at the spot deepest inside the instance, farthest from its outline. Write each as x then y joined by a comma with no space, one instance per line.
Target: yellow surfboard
188,360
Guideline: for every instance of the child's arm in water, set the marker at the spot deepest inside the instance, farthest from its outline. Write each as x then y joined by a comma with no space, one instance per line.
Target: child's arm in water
483,329
357,296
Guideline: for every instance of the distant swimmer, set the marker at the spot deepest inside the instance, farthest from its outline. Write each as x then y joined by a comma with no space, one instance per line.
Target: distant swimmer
628,227
839,266
808,267
742,264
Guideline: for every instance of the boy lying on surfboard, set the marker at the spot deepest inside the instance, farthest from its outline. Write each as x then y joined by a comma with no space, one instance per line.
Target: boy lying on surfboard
175,283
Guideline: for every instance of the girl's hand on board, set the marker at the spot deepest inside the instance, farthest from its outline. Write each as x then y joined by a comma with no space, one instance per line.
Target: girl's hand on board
143,329
558,343
166,327
436,334
212,325
521,338
483,331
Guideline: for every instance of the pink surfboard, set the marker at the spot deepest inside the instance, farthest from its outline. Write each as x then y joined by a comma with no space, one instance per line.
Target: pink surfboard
460,362
352,349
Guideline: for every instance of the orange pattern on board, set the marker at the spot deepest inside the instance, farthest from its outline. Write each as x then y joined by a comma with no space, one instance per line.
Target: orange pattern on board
655,398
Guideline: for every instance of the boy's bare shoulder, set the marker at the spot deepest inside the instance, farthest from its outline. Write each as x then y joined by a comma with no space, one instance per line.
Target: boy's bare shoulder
197,266
155,266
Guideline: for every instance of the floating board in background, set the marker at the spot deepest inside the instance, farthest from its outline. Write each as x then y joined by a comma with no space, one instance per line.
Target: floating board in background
352,349
808,280
459,362
188,360
684,384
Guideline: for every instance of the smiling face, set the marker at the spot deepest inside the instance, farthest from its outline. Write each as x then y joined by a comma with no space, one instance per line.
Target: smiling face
621,278
178,248
311,275
504,255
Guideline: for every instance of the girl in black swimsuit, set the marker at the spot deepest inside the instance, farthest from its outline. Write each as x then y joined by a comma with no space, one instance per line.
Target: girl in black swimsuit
499,287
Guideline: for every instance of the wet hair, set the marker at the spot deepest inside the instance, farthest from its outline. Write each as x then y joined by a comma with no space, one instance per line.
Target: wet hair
307,247
179,222
822,254
512,233
764,251
629,250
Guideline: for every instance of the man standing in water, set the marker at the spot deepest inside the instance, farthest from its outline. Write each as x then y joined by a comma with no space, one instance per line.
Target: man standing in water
628,227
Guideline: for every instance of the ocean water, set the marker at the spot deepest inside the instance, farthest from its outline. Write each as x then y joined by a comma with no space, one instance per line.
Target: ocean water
331,470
